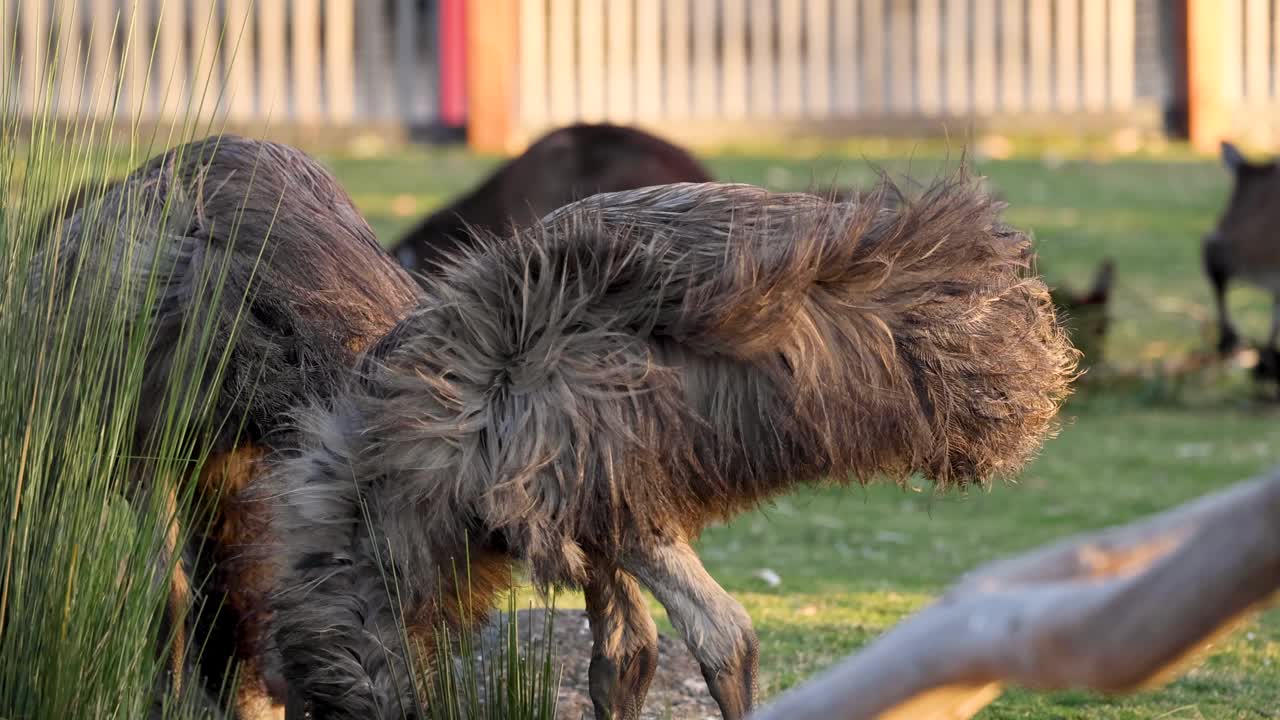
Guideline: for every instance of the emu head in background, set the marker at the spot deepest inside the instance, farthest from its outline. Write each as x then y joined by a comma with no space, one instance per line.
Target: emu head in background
1245,244
1085,314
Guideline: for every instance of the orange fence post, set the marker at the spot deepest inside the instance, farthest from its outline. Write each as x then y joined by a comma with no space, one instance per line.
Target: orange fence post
492,65
1208,111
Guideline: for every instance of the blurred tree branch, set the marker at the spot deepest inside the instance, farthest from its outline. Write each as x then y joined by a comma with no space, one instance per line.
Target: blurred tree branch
1112,611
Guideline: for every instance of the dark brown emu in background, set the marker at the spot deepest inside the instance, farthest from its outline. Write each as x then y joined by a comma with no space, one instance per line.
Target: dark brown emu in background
564,165
586,396
319,290
1246,245
1085,314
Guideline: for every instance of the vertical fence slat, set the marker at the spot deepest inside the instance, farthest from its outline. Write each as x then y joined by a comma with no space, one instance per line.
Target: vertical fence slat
1257,52
306,60
733,63
704,59
239,58
1067,62
374,64
676,71
1121,57
1012,92
1093,40
762,92
1275,45
206,86
846,52
648,58
136,55
901,73
957,52
562,68
170,61
1039,25
103,76
818,59
427,66
591,63
928,60
533,63
677,60
271,72
1233,27
621,23
984,56
873,33
70,70
33,32
406,70
790,65
339,60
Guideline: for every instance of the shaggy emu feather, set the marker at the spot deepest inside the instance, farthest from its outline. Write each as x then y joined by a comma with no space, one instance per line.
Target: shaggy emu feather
304,289
587,396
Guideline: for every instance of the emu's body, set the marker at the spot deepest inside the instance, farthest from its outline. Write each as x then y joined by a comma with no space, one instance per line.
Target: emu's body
306,289
1244,245
587,396
564,165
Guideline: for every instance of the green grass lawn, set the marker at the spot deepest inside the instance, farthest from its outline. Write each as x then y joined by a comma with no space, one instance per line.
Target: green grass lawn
853,562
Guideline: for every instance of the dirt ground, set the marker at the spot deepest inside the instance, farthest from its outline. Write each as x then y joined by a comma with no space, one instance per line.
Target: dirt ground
678,691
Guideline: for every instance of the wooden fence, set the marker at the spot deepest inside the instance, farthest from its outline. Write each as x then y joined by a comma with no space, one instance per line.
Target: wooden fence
310,63
691,69
703,69
849,64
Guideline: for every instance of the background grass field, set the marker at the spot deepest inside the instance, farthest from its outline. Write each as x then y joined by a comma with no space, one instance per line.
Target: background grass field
853,562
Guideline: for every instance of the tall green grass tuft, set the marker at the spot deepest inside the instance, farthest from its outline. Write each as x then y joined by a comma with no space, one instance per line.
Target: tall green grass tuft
497,674
92,516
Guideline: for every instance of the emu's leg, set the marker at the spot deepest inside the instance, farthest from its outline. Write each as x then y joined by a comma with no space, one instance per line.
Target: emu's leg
624,651
716,627
178,604
1268,367
1216,267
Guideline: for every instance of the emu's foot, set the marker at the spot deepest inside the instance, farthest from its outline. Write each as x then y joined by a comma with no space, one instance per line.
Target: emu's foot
1229,342
624,699
734,687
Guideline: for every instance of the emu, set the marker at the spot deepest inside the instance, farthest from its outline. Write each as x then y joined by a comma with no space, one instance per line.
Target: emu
1085,314
584,397
567,164
1242,245
317,291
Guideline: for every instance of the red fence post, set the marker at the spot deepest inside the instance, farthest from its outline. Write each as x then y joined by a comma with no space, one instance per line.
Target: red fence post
451,27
